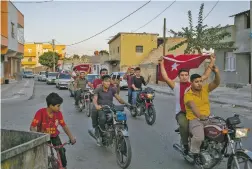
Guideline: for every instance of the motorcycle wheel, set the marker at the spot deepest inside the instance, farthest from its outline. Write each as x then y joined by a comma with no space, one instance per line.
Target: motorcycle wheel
150,115
123,148
88,108
133,112
80,106
231,164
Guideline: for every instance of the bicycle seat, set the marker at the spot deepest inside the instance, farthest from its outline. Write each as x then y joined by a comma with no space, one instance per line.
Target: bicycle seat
119,107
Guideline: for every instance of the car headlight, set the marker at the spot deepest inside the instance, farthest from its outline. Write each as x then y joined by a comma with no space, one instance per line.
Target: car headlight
241,132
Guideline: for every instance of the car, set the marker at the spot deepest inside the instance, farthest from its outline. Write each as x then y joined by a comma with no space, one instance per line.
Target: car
89,77
42,76
51,77
28,74
123,82
63,80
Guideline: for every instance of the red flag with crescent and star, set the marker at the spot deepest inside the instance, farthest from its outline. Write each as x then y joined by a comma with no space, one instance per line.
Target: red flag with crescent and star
186,61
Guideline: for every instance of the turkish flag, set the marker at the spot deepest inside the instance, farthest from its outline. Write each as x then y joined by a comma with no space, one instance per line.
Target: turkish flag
186,61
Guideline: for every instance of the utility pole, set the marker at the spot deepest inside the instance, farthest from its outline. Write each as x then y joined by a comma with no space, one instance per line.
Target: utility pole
53,46
164,38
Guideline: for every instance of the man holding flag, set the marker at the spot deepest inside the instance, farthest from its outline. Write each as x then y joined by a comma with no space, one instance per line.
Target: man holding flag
180,66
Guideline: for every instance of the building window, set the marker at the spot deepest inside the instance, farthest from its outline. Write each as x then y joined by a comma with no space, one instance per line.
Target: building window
230,61
29,50
248,21
94,67
12,30
118,49
30,60
139,49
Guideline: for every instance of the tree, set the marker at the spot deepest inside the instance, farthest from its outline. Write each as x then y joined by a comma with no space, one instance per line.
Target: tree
47,59
201,36
76,56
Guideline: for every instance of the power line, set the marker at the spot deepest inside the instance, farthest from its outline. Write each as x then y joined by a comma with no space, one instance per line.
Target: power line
156,16
111,25
211,10
31,2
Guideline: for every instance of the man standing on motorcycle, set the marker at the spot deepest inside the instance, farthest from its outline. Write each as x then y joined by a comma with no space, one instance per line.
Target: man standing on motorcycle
179,89
137,82
128,76
197,106
103,95
79,86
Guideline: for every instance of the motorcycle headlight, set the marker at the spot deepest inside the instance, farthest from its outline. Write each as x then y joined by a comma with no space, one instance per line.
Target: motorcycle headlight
241,132
149,96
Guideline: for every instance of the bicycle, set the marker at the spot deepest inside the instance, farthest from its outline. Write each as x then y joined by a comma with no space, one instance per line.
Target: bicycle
56,163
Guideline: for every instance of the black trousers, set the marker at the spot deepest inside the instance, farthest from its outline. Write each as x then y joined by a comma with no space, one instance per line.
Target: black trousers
102,118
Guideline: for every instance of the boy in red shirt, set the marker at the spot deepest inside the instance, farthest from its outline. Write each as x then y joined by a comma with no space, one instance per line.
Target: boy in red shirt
46,120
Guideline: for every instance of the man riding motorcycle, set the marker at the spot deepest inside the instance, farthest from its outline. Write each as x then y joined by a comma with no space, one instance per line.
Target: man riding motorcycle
80,85
103,95
197,106
98,81
179,89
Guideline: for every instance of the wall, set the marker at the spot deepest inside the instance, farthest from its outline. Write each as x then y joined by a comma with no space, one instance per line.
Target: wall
12,18
242,34
4,23
113,49
128,48
240,76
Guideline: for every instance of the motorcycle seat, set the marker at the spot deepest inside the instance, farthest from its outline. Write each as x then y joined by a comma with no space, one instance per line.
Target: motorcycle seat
119,107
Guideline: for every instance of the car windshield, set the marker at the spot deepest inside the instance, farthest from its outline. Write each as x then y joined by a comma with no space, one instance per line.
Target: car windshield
42,73
121,73
91,78
53,74
28,73
64,76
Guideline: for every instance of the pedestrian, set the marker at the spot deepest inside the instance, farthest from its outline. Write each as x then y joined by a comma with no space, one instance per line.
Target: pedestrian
128,76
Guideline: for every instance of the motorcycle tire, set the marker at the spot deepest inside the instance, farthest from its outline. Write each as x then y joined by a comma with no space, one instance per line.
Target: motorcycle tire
239,155
150,111
123,149
80,107
88,108
133,112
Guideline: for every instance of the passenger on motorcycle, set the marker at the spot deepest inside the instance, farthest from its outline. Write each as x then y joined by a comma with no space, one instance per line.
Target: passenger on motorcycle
103,95
179,89
137,82
98,81
128,76
197,106
79,86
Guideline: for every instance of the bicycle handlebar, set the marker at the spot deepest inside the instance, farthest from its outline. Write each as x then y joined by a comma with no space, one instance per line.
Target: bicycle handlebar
59,146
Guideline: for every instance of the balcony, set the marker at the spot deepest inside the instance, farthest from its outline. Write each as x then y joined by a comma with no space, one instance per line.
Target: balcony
28,62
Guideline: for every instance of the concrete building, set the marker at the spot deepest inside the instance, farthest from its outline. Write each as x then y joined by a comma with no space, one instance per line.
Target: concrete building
127,49
12,40
235,64
32,52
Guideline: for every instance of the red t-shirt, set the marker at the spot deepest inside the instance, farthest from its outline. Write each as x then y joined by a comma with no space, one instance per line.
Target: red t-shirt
49,124
97,82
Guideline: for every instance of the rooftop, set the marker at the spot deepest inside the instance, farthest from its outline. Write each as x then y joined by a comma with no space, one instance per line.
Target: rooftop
241,13
120,33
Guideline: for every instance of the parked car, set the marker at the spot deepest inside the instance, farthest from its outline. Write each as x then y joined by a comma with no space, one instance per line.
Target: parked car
51,77
89,77
123,83
63,80
28,74
42,76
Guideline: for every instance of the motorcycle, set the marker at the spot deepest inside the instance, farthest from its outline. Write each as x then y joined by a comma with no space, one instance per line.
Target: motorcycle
116,133
145,106
81,103
88,98
222,140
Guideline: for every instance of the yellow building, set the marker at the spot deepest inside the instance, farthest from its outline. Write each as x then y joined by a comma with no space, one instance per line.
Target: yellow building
127,49
32,51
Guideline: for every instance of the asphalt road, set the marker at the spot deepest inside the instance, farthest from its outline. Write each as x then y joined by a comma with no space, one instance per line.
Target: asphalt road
151,145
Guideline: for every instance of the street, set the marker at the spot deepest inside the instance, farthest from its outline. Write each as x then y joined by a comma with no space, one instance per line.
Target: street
151,145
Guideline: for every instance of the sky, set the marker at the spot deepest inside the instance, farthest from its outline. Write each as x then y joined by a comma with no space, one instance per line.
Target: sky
72,21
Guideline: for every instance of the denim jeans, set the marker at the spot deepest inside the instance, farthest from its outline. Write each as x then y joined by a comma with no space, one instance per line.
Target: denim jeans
130,95
134,97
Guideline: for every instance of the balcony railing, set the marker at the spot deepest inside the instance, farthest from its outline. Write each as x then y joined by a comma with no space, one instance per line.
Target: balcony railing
28,62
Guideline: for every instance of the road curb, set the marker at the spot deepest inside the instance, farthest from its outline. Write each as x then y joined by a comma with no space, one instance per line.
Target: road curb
213,100
33,90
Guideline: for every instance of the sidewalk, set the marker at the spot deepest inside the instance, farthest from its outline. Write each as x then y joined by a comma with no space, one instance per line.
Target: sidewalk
236,97
17,90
